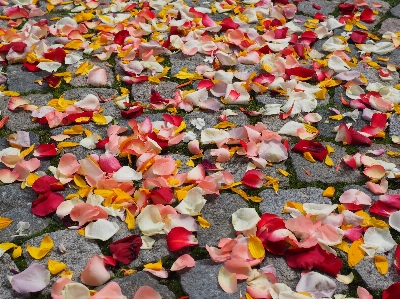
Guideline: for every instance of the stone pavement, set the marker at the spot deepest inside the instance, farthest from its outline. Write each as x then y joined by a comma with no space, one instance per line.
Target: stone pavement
305,182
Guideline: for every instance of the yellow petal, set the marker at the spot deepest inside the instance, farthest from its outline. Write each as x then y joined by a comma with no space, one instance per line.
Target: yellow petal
224,125
74,130
67,273
328,192
27,151
356,254
181,127
294,205
336,117
330,149
283,172
79,181
343,246
241,193
99,119
4,222
154,266
190,163
381,264
17,252
308,157
256,247
55,267
64,144
328,161
84,68
7,245
310,128
130,219
74,45
45,246
203,222
81,232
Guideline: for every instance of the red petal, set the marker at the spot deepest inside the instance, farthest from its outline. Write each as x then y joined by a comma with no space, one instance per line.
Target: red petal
127,249
133,112
179,238
45,150
228,23
397,260
176,120
347,9
320,16
43,184
156,97
31,67
316,149
79,118
47,203
367,15
57,54
162,196
392,292
301,72
359,37
268,224
316,6
120,37
52,80
253,178
382,209
331,265
18,47
109,260
305,258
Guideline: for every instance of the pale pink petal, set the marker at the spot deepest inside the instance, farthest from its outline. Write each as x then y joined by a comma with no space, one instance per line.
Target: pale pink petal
68,164
58,286
86,212
217,255
159,273
375,171
222,154
89,103
356,197
95,273
227,281
111,291
33,279
97,77
194,147
242,269
258,287
146,292
7,176
378,189
363,293
182,262
93,173
196,174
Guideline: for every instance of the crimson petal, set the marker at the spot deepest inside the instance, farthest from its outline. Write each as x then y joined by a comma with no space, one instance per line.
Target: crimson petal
127,249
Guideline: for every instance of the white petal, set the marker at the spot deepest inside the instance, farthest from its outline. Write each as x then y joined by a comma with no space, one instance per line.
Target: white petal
192,203
316,284
379,238
49,66
101,229
127,174
150,221
245,219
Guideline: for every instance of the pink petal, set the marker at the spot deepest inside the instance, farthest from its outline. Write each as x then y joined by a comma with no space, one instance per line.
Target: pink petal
58,286
108,163
354,196
222,154
33,279
196,174
218,255
227,281
159,273
95,273
97,77
68,164
375,171
86,212
378,189
7,176
146,292
182,262
363,293
194,147
111,291
242,269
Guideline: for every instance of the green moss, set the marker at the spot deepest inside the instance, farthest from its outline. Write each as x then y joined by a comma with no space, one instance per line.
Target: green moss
20,262
104,246
4,132
199,253
37,295
173,284
43,133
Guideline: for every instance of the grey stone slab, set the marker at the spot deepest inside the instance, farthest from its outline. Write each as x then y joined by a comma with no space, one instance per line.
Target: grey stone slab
394,126
326,125
395,57
200,3
6,291
158,251
306,7
273,122
218,211
109,107
391,24
267,98
237,165
21,80
37,224
130,284
78,80
211,119
141,91
12,195
321,172
79,251
274,203
373,279
21,120
201,282
396,11
180,60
